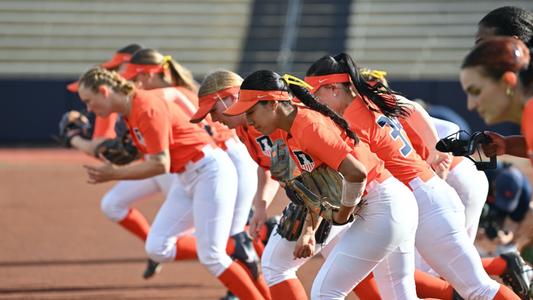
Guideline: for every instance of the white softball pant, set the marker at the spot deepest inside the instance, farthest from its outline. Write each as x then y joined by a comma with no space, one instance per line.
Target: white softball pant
381,239
442,241
278,263
202,197
247,186
116,202
472,187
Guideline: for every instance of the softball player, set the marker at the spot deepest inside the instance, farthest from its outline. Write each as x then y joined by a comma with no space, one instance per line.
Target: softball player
314,139
151,70
222,87
441,213
117,202
206,181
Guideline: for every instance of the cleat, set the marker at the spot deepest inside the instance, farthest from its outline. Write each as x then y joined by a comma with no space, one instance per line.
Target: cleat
245,253
152,268
515,276
229,296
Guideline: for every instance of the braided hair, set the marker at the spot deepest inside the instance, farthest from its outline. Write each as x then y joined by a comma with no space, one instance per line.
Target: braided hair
265,80
379,94
510,21
98,76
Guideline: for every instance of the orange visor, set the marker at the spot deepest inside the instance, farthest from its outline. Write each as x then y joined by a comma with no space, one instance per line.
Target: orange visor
317,81
116,60
207,102
73,87
248,98
132,70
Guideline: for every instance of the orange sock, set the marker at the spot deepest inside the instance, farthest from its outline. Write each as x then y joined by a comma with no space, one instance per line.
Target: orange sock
230,246
291,289
136,223
505,293
430,286
258,246
237,280
494,265
186,247
367,289
261,285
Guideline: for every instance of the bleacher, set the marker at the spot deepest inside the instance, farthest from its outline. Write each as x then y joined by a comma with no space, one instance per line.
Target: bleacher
416,39
63,38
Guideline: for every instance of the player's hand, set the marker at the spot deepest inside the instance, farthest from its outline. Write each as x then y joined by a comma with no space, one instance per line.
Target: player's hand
305,246
99,174
258,220
497,147
442,165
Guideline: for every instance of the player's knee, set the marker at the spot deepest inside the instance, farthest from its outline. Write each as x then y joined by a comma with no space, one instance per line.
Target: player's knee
215,261
274,275
159,249
110,207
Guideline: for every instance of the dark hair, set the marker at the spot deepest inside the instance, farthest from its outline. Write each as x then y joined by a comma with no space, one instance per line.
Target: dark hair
510,21
526,76
181,76
265,80
375,92
497,56
130,49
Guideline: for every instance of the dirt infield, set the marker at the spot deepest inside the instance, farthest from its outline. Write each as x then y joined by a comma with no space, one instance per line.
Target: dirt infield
56,244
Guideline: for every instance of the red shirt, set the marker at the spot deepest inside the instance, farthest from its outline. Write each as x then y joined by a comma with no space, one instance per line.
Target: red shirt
315,139
527,127
259,145
388,140
105,127
156,123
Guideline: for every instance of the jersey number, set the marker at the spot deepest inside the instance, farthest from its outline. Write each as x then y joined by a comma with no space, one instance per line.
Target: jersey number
395,133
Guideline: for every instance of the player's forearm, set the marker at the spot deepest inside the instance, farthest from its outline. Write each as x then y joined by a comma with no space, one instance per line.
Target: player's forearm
145,169
515,145
266,189
86,146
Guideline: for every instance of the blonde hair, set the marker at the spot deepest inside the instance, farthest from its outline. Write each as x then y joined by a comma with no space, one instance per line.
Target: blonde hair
180,76
219,80
98,76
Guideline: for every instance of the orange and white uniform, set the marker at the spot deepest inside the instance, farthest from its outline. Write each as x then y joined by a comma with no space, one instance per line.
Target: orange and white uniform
157,124
226,139
382,237
441,238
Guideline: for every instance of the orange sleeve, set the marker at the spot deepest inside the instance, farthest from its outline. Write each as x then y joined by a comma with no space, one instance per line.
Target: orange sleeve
527,127
324,143
154,125
105,127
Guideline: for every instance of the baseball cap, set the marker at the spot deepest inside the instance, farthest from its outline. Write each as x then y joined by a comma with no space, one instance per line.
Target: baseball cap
207,102
508,187
248,98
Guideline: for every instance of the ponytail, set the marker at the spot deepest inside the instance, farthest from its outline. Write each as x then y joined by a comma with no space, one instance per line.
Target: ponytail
310,101
182,76
374,93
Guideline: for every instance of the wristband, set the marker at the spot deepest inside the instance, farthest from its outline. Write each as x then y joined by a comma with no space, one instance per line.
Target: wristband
352,192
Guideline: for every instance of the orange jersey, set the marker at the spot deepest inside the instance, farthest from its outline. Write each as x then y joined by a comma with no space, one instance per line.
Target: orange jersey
188,102
157,124
420,147
105,127
259,145
315,139
388,140
527,127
